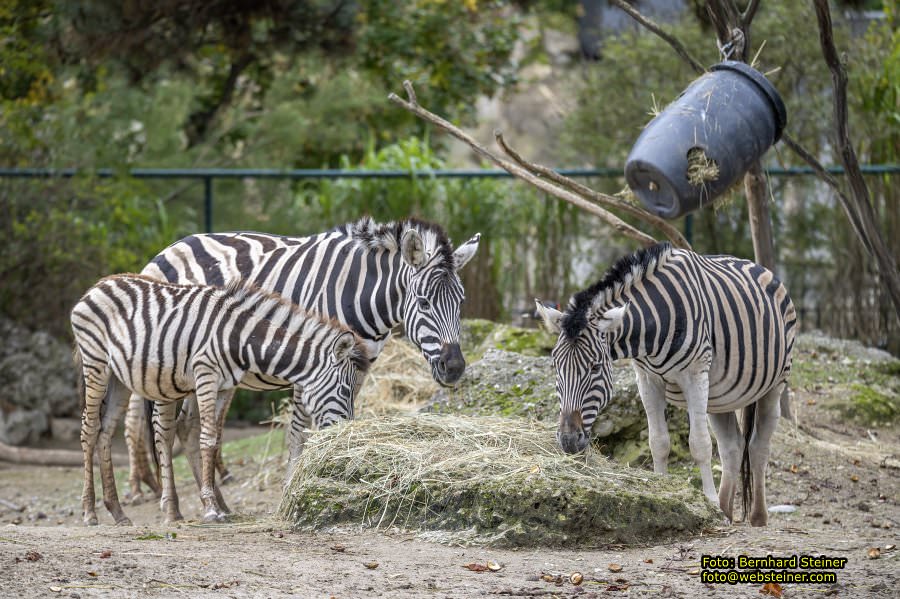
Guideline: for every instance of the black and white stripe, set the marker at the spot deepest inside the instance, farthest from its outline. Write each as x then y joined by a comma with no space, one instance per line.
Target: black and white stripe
369,276
165,342
712,334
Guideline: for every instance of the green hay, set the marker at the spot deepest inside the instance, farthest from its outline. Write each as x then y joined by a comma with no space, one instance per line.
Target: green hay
485,480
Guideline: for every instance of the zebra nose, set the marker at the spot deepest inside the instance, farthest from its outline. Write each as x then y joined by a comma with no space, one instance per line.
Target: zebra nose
574,442
571,435
450,363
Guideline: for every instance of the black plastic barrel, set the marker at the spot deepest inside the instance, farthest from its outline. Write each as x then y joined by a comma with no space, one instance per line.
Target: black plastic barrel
718,126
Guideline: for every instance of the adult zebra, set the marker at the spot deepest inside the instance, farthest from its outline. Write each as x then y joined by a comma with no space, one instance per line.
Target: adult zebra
165,342
712,334
371,277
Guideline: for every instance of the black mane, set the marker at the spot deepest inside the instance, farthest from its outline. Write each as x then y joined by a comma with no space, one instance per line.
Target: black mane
372,234
576,316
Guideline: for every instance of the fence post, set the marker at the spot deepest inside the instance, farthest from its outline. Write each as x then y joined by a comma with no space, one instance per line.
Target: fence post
207,203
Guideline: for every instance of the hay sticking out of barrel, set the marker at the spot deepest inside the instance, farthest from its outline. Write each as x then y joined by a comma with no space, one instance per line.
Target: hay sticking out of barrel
701,169
485,480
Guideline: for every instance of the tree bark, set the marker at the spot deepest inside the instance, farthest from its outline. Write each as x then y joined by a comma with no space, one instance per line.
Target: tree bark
49,457
861,205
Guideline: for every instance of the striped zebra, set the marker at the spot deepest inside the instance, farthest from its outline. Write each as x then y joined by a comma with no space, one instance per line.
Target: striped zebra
134,334
369,276
712,334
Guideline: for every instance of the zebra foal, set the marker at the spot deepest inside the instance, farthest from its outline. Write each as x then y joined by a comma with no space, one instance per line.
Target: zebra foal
712,334
166,342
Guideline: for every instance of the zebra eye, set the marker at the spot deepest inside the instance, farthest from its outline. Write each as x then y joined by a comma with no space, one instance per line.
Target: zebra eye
595,368
424,304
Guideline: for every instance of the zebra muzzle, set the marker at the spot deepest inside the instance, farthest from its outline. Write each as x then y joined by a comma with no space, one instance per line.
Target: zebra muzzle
571,435
450,364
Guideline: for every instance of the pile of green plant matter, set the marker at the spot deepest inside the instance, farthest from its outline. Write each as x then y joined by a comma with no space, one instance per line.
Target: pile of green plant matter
485,480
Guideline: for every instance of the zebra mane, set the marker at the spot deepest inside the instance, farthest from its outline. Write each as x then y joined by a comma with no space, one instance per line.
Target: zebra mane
263,302
622,274
388,235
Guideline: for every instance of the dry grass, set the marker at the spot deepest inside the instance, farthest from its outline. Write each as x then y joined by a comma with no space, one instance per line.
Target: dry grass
399,381
701,169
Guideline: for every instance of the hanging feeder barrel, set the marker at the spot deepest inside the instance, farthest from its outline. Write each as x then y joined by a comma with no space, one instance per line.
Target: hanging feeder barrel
705,140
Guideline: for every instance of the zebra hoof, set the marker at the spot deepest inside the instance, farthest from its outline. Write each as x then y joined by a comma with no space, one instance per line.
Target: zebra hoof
137,498
124,521
172,518
213,517
90,520
228,477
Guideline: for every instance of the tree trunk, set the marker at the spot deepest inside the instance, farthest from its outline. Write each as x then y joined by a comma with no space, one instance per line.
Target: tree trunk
49,457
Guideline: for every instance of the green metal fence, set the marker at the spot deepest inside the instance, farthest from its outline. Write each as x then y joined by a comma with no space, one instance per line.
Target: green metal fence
209,175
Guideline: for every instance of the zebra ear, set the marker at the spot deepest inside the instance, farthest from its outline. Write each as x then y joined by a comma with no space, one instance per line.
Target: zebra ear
612,318
466,251
412,248
343,345
552,317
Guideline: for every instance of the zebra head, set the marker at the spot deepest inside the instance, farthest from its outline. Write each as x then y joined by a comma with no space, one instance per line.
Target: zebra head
583,371
329,392
432,301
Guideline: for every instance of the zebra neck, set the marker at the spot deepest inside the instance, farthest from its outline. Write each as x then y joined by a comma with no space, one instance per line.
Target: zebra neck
628,341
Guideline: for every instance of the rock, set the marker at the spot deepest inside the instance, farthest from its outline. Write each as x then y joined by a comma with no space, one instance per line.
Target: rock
510,384
38,378
65,429
21,426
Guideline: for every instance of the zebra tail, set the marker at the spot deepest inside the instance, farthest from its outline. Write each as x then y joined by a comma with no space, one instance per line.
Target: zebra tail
79,379
151,438
749,419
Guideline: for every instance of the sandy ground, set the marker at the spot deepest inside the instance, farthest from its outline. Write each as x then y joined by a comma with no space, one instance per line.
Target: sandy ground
843,479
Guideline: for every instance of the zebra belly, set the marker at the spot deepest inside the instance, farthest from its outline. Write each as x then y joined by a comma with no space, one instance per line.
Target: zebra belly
714,405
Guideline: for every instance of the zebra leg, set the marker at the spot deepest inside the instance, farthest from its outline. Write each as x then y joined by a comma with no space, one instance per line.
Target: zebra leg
187,427
731,447
767,412
301,422
696,393
224,475
223,402
116,396
94,391
652,390
136,441
207,391
164,433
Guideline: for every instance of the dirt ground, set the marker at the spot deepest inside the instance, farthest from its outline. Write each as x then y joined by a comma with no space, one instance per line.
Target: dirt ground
843,480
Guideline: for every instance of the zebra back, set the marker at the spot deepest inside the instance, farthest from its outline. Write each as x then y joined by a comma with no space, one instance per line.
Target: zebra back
153,336
369,276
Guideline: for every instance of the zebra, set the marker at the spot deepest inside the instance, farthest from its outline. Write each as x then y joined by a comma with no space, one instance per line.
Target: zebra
712,334
164,341
369,276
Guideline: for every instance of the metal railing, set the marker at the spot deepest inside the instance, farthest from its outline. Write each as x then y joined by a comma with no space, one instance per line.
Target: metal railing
208,175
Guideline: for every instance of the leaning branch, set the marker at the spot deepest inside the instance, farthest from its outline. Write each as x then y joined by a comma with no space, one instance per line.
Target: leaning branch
673,41
596,197
859,191
618,224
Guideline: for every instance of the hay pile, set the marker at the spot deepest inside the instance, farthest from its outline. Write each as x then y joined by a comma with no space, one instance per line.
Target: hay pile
484,480
399,381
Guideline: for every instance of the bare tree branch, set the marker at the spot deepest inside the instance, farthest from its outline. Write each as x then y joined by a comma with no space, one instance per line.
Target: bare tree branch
602,199
517,171
648,23
862,204
749,13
